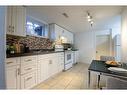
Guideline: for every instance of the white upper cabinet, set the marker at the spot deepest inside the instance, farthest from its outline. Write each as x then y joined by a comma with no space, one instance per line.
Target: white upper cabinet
16,21
68,37
57,33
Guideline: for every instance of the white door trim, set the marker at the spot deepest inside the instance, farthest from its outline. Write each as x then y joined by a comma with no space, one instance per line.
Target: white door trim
103,32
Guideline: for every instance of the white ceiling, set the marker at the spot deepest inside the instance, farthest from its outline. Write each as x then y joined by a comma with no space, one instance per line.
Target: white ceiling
104,17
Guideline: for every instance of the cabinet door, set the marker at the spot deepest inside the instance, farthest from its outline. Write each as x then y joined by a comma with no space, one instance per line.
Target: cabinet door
29,80
54,64
61,64
58,32
43,70
20,21
71,38
9,20
16,19
13,77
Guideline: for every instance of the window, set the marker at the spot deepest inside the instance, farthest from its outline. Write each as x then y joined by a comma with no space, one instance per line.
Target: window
36,28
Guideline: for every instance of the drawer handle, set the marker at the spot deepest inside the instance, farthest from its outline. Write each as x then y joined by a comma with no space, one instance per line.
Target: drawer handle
9,62
28,69
28,78
28,60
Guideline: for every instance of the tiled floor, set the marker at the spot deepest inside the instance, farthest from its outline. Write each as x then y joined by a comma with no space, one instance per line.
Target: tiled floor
74,78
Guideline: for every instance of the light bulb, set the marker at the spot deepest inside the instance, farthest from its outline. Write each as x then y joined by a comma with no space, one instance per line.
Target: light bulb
88,17
89,20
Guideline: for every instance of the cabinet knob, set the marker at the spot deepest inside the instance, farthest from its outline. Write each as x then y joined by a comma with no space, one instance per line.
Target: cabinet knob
18,71
9,28
12,28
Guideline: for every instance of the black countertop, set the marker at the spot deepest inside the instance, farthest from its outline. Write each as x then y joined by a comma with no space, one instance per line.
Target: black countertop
31,53
74,49
36,52
100,66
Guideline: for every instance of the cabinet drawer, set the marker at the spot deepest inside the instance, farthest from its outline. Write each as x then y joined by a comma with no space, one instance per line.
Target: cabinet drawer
28,60
45,56
26,69
29,80
61,58
12,61
61,54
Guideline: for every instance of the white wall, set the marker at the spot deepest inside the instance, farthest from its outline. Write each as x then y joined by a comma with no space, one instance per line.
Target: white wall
85,41
2,47
124,36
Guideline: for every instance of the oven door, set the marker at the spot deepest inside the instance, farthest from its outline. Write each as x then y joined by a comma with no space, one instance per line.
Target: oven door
68,57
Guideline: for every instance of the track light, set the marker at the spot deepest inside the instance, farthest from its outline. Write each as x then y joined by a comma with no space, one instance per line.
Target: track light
89,17
89,20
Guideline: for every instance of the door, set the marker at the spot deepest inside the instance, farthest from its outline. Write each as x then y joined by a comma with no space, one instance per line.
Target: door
102,46
12,77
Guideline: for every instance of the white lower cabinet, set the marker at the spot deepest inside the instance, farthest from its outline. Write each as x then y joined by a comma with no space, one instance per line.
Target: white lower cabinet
75,57
13,77
12,73
26,72
53,65
60,61
42,70
29,80
49,65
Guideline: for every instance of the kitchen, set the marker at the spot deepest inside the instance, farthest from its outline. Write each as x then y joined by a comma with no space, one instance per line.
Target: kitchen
43,52
37,51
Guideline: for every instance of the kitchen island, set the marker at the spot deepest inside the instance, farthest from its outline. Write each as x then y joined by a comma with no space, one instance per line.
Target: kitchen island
101,68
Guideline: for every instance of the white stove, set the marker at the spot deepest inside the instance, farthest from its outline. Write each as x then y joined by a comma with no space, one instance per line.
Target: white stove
68,59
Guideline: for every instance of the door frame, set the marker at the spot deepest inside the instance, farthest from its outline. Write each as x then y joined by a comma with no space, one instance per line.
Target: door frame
101,33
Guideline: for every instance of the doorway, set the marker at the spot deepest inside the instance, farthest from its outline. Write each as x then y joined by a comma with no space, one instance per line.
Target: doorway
103,46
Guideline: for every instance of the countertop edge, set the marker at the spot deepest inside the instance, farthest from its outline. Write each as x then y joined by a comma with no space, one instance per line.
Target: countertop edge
30,54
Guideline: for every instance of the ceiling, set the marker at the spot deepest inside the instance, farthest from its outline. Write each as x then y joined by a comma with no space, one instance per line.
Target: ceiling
104,17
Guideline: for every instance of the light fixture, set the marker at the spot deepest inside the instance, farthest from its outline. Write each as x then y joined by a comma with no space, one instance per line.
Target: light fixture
91,22
90,19
65,15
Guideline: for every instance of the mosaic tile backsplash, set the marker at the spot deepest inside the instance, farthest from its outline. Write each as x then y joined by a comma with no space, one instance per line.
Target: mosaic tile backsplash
31,41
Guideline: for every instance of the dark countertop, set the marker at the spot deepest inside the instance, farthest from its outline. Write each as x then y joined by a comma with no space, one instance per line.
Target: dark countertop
100,66
74,49
31,53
